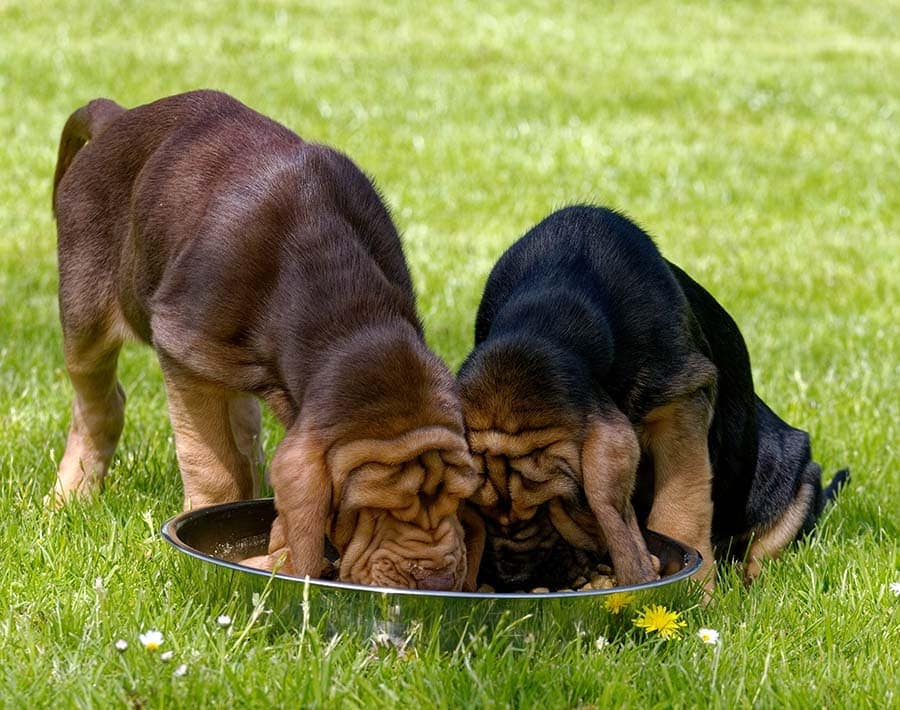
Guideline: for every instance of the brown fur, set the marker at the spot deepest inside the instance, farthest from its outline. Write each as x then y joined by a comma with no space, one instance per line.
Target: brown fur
579,474
259,266
583,475
770,542
675,438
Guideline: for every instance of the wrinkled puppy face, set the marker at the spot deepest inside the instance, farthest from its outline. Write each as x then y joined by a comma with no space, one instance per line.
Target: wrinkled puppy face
525,435
396,523
531,474
390,464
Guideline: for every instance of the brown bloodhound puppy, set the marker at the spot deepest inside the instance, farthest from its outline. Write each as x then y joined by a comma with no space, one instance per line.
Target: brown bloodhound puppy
259,266
603,379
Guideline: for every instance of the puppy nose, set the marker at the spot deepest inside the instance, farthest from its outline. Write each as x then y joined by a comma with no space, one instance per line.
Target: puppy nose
442,581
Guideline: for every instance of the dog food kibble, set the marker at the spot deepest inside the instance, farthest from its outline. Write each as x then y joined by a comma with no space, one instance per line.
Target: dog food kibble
330,570
602,581
602,577
486,588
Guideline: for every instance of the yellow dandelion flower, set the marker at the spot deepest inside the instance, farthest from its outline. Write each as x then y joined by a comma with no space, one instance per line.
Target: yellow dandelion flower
616,602
657,619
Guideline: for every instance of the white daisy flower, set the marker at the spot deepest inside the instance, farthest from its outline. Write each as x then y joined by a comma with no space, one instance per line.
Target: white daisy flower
710,636
121,645
151,640
166,655
180,671
601,643
895,588
223,620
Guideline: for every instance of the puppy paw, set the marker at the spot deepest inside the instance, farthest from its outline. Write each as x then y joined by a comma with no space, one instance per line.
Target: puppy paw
278,561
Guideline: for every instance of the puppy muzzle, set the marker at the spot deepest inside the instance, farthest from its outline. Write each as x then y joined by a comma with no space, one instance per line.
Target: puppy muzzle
403,555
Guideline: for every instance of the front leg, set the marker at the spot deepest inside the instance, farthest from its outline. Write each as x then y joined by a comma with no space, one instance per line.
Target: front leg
677,437
302,486
609,460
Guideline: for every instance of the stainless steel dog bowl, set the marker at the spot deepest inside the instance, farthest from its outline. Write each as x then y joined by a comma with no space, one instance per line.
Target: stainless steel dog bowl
210,539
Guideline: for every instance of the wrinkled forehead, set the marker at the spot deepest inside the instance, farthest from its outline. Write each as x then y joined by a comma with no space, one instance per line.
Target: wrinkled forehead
523,442
426,466
528,467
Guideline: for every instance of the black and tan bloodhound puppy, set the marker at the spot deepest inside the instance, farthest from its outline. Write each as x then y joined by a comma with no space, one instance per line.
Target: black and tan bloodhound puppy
259,267
607,391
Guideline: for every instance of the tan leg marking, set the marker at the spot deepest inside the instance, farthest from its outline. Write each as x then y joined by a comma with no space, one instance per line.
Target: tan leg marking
769,542
214,469
98,413
682,500
609,460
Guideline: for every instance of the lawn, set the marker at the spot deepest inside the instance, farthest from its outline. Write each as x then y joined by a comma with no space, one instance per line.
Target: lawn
757,142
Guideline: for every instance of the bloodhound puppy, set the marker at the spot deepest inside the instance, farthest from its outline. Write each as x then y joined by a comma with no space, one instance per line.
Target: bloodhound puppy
603,379
259,267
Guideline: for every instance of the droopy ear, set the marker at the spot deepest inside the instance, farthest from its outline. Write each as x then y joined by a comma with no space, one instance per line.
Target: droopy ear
302,487
609,459
475,536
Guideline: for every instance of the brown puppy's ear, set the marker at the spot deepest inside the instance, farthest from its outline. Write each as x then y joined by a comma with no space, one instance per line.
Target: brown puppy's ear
475,537
302,487
609,460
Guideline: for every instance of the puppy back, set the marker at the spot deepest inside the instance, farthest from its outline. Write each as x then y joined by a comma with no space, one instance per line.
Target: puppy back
593,282
594,250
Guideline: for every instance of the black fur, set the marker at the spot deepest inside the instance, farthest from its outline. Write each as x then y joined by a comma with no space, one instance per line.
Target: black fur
586,314
759,461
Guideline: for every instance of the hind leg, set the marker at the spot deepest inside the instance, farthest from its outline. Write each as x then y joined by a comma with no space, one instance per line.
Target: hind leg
768,542
677,437
246,423
215,466
98,412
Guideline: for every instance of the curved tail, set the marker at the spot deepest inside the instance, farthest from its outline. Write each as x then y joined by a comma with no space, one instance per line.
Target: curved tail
841,479
86,123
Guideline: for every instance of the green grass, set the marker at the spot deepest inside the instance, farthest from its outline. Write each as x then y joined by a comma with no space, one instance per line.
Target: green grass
756,141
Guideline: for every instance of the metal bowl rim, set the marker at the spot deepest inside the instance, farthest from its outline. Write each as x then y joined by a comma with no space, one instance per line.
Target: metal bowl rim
169,531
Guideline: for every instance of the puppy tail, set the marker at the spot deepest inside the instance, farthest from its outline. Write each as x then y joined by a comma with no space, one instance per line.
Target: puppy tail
86,123
841,479
824,496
